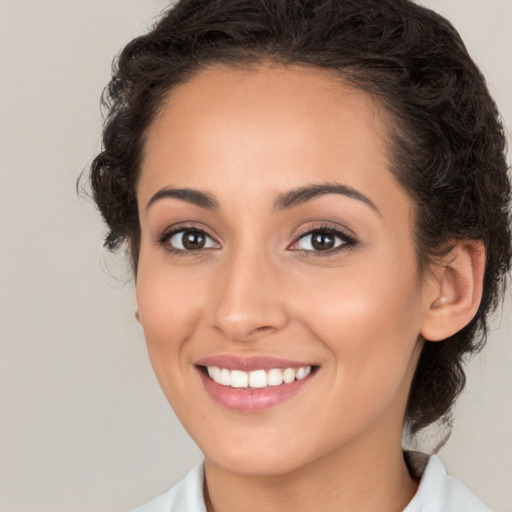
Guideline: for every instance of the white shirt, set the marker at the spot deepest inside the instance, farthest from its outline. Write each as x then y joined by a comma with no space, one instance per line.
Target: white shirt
437,491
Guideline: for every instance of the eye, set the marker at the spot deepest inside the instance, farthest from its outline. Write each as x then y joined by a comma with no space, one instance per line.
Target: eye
323,239
187,240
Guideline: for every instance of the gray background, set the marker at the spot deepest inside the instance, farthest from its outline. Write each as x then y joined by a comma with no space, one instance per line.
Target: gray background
83,424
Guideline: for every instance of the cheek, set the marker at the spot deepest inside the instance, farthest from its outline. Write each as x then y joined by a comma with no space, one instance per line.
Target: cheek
170,308
168,298
371,336
379,294
369,319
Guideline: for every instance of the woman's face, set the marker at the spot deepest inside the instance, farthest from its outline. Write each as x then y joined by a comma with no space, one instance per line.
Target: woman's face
274,237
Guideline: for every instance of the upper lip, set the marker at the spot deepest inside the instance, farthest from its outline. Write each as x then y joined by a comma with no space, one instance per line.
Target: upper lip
233,362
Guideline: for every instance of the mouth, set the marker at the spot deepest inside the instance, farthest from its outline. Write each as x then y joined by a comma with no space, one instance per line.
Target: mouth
256,379
255,384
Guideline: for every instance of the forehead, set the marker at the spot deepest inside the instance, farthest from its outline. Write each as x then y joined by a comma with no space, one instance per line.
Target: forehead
269,128
267,93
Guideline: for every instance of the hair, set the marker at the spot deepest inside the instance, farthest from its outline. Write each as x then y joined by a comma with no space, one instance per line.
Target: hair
447,143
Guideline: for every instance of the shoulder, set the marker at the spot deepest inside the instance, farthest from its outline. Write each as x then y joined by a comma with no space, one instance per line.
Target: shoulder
439,491
185,496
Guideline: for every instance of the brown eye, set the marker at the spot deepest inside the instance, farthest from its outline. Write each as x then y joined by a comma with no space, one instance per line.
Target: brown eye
320,241
190,240
193,240
323,240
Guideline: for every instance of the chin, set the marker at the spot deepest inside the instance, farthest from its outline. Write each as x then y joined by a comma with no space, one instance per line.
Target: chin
258,455
256,465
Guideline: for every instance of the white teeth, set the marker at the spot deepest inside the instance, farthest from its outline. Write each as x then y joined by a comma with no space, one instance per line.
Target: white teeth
257,378
303,372
274,377
216,374
239,379
289,375
225,377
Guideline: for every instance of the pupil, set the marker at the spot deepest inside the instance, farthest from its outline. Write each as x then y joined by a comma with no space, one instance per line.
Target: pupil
322,241
193,240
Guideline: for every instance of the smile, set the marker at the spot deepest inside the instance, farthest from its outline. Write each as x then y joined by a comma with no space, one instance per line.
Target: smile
253,384
257,379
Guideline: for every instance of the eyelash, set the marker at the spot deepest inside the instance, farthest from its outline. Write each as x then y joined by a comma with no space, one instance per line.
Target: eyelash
166,236
348,241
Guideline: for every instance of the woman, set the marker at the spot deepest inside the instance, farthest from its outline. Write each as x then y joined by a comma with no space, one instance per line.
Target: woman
316,203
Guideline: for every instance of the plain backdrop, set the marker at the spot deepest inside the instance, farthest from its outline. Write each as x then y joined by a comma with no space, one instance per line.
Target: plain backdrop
84,426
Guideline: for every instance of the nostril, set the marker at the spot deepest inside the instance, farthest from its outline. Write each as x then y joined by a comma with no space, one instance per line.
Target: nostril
262,330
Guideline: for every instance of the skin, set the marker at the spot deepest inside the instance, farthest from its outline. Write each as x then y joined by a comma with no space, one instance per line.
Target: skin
244,137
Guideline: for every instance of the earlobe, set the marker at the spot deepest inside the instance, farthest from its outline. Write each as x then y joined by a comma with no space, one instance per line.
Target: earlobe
456,291
137,315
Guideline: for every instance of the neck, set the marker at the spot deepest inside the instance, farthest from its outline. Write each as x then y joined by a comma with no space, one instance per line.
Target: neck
375,478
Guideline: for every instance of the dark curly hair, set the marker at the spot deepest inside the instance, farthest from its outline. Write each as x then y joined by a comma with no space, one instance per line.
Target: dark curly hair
448,144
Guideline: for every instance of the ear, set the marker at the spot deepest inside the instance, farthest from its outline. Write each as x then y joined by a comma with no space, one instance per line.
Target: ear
137,315
455,292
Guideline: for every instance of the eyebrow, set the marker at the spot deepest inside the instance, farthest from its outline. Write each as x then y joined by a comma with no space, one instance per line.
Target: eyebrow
201,199
301,195
284,201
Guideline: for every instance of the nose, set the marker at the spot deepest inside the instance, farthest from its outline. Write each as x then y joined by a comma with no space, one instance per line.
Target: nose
249,301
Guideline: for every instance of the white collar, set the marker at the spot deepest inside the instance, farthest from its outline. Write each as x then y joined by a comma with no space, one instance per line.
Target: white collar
437,491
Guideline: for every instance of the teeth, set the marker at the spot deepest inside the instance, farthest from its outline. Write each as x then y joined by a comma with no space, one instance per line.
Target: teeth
303,372
238,379
216,374
257,378
225,377
274,377
289,375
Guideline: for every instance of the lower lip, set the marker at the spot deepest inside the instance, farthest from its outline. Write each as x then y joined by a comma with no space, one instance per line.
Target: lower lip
251,400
